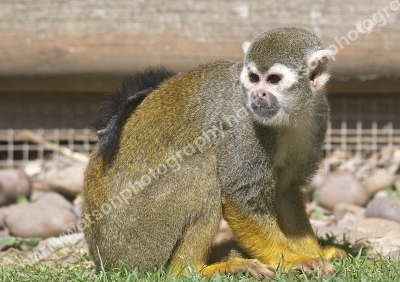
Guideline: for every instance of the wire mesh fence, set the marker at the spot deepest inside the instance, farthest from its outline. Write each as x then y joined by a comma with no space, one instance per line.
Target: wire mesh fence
18,147
371,147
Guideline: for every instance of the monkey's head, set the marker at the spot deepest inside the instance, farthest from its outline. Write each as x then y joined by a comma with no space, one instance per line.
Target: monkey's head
284,70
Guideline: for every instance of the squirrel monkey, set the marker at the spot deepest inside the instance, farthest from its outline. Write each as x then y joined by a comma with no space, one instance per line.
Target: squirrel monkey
225,139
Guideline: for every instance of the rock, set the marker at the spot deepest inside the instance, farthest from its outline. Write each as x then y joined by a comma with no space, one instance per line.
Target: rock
382,234
224,245
55,199
33,168
67,181
341,209
322,228
3,214
49,245
78,210
39,189
388,208
381,194
3,229
342,187
317,212
380,180
315,183
39,220
348,220
41,186
66,249
397,184
225,233
395,165
13,183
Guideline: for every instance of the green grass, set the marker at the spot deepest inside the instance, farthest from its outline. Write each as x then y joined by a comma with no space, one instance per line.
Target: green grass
357,267
349,269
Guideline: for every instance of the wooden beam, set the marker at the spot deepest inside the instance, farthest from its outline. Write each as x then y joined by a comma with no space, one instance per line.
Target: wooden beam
44,37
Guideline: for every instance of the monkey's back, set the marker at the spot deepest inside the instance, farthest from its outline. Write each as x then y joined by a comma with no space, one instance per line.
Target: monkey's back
135,230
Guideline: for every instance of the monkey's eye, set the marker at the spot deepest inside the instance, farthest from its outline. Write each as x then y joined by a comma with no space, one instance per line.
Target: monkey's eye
273,78
254,77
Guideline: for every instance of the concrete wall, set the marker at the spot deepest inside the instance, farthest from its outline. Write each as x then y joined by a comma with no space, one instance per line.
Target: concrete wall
45,37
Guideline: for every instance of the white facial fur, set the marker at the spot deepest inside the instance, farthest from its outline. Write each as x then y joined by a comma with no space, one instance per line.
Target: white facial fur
256,90
260,93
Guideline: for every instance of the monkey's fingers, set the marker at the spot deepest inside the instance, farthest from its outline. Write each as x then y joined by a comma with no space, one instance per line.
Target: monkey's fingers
320,264
252,266
260,271
331,253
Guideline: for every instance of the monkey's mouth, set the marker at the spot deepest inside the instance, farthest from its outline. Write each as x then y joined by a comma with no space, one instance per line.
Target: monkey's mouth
265,105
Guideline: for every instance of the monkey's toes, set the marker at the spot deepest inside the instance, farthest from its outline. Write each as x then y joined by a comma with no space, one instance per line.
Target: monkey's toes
320,264
260,271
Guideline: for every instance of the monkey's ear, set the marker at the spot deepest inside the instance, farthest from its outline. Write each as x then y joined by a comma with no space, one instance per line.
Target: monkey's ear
318,63
245,46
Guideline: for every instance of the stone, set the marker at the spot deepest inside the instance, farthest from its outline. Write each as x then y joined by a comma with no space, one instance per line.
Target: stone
224,245
315,183
347,220
388,208
39,220
3,229
65,249
3,214
397,184
39,189
395,162
67,181
51,244
33,168
55,199
78,210
13,183
382,234
342,187
225,233
381,194
341,209
378,181
315,211
322,228
40,186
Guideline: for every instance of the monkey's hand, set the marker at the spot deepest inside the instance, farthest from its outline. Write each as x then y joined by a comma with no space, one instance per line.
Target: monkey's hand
258,270
322,264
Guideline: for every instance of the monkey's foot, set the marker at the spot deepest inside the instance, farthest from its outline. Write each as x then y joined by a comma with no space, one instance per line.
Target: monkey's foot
320,264
331,253
258,270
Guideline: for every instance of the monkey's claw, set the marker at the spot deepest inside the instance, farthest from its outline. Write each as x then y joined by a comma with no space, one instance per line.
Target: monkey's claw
260,271
320,264
254,267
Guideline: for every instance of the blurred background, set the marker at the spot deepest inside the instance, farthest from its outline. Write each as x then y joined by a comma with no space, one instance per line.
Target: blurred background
58,58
